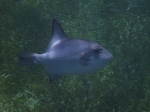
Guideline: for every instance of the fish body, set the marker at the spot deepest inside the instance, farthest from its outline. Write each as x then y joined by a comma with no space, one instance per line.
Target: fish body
64,56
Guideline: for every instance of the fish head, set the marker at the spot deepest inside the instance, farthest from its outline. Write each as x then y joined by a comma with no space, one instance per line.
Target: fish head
96,56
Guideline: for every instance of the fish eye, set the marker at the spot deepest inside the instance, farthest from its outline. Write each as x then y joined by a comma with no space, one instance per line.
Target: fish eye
97,50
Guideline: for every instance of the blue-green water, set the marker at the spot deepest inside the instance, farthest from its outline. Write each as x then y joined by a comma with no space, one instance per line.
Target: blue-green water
121,26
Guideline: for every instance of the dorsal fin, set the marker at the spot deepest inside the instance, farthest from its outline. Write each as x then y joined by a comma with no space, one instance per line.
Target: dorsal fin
57,34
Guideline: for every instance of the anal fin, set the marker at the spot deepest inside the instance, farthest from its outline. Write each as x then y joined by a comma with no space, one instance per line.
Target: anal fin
52,76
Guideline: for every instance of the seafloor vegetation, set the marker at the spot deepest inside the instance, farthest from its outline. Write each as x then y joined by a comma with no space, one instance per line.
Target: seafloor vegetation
122,26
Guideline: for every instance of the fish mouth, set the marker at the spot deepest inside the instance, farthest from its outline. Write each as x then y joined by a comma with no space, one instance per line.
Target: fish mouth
111,56
107,56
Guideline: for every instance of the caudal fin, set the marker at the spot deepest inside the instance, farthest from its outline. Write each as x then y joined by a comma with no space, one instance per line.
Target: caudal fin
26,59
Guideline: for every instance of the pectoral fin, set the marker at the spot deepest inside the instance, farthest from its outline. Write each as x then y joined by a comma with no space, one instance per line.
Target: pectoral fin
85,61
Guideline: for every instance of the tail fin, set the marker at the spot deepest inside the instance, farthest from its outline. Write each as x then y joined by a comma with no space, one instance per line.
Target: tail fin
26,59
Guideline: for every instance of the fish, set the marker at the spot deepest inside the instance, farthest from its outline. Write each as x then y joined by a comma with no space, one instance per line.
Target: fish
64,56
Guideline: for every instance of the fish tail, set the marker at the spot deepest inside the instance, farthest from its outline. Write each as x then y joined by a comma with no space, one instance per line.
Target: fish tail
26,59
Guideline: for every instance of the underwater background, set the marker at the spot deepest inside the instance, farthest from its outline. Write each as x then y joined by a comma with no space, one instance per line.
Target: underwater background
121,26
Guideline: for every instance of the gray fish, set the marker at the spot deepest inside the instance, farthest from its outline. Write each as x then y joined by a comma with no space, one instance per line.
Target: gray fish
64,56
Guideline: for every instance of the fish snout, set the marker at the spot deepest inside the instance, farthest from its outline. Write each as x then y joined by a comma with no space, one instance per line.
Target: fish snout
110,56
106,55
